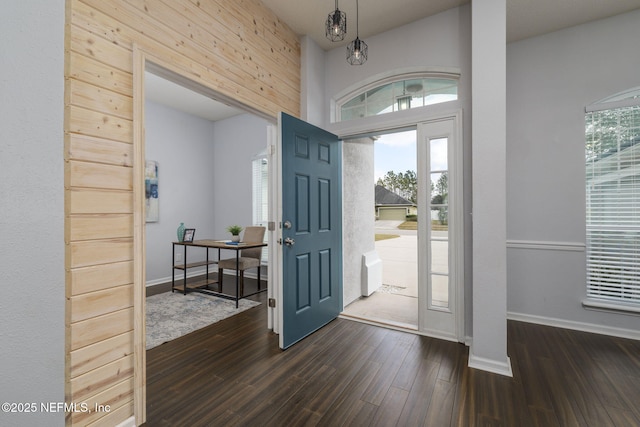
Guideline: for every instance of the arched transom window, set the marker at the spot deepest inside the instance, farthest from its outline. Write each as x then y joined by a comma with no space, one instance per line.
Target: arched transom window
396,94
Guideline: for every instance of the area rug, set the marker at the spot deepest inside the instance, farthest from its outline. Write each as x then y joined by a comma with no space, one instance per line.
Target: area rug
171,314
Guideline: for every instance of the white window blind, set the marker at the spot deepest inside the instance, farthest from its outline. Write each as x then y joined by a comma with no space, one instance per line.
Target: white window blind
261,197
613,204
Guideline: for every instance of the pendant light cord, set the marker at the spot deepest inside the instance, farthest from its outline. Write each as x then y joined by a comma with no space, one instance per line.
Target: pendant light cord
357,20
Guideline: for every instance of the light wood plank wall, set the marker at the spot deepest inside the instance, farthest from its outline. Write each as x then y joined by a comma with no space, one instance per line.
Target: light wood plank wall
241,50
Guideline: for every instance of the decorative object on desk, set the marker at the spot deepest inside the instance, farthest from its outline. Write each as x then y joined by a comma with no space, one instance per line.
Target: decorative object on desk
235,231
188,235
152,209
171,315
180,232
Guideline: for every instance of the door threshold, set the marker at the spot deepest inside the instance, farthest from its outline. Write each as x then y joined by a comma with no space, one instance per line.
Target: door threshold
389,324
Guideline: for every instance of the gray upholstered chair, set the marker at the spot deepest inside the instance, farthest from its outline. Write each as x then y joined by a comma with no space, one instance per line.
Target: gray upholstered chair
249,258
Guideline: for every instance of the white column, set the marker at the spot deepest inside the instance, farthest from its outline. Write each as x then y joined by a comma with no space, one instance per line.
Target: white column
488,49
312,106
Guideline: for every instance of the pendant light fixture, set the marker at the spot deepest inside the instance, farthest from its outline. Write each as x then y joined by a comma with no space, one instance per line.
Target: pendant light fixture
357,49
404,100
336,26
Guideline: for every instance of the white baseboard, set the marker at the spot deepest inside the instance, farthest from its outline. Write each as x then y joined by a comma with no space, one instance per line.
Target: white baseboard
199,272
576,326
490,365
468,340
191,273
129,422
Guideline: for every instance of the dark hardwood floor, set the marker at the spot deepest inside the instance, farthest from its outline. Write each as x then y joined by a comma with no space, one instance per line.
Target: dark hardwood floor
352,374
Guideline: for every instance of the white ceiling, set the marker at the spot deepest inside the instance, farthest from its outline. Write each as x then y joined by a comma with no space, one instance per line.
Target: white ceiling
525,18
162,91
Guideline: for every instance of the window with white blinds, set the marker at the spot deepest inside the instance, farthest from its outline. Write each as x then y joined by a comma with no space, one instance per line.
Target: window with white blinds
260,197
613,204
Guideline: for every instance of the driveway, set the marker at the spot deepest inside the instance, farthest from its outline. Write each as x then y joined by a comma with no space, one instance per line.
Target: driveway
387,224
391,227
400,263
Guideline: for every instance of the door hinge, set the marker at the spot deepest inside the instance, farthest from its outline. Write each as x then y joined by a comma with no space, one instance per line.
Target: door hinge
272,302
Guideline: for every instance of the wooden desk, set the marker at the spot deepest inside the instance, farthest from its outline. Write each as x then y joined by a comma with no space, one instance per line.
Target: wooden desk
203,285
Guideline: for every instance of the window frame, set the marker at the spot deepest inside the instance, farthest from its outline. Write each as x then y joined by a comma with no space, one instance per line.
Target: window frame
379,81
595,299
260,175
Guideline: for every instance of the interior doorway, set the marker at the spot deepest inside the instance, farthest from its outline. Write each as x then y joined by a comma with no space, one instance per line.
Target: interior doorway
148,66
395,302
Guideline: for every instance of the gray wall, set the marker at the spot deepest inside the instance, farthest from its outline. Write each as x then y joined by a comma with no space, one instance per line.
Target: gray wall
237,141
32,200
205,178
550,80
183,146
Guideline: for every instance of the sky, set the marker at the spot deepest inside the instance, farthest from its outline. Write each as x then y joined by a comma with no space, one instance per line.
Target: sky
395,152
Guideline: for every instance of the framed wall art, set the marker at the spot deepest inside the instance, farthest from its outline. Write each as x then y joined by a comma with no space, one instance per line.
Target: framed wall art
152,208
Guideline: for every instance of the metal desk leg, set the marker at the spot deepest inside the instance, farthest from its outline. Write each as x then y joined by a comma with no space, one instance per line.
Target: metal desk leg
237,277
219,275
173,268
207,267
184,291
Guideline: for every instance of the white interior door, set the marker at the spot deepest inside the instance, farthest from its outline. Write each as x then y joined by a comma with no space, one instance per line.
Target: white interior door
440,230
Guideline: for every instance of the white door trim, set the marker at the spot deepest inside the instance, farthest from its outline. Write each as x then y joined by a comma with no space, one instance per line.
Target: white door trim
274,229
434,321
350,131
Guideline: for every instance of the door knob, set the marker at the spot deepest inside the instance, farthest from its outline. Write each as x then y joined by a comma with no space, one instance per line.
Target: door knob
287,224
289,241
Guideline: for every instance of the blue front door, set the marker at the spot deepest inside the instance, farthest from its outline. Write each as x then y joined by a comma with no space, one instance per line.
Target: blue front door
311,228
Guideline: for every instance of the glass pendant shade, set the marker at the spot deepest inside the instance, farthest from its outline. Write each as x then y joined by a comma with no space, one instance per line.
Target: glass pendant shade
357,52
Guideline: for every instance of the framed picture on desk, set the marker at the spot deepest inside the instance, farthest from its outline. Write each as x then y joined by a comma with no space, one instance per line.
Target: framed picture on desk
188,235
